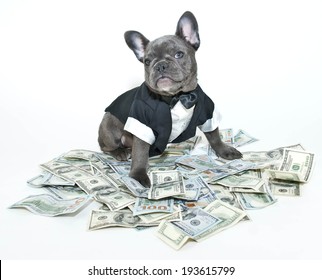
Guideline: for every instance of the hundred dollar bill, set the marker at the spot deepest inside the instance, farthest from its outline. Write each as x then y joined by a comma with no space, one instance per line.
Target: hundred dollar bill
204,188
271,159
277,155
200,162
227,136
239,165
241,182
193,187
163,160
242,138
147,206
222,171
228,197
101,167
65,170
80,154
116,200
78,163
211,175
255,200
48,205
66,192
135,187
157,217
121,218
161,168
83,166
202,201
223,194
195,221
256,173
94,184
295,147
228,215
261,189
171,235
121,169
262,159
171,217
184,147
104,158
296,165
57,168
165,178
166,184
281,187
48,179
113,179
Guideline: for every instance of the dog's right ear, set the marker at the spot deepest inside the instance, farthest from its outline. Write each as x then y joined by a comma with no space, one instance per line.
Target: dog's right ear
137,43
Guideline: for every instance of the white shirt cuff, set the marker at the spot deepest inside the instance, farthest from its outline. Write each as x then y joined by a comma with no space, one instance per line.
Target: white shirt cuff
211,124
140,130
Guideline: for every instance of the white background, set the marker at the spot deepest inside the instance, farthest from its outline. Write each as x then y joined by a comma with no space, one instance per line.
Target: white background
63,62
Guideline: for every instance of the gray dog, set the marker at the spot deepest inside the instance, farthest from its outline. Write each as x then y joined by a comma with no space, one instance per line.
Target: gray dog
167,107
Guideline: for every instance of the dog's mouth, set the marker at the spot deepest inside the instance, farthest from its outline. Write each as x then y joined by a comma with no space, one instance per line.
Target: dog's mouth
165,82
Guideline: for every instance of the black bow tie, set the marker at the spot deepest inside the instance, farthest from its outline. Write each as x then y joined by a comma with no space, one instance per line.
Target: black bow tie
187,99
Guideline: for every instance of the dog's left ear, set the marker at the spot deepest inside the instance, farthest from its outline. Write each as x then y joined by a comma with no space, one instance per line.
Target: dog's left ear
137,43
187,29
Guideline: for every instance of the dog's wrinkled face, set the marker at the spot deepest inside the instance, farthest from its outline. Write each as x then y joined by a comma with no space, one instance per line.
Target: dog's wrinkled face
169,61
170,66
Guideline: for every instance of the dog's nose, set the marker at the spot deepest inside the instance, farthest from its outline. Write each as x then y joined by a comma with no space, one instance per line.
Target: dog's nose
161,67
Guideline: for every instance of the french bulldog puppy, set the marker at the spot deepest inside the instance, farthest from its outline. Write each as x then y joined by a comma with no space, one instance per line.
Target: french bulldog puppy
167,107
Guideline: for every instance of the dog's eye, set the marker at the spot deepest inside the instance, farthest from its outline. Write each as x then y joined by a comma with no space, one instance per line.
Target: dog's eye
178,54
147,62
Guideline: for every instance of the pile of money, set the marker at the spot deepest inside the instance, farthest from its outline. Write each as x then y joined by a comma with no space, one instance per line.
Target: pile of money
192,196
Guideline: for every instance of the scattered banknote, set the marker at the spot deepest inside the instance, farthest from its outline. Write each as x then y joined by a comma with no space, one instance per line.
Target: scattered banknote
48,179
166,184
65,170
199,162
227,136
96,184
116,200
103,219
80,154
251,201
282,187
196,221
158,216
263,159
48,205
193,188
242,138
242,182
171,235
296,165
229,197
66,192
184,147
229,216
226,216
135,187
146,206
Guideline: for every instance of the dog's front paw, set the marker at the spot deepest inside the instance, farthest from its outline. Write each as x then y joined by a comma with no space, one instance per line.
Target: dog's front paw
141,177
227,152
